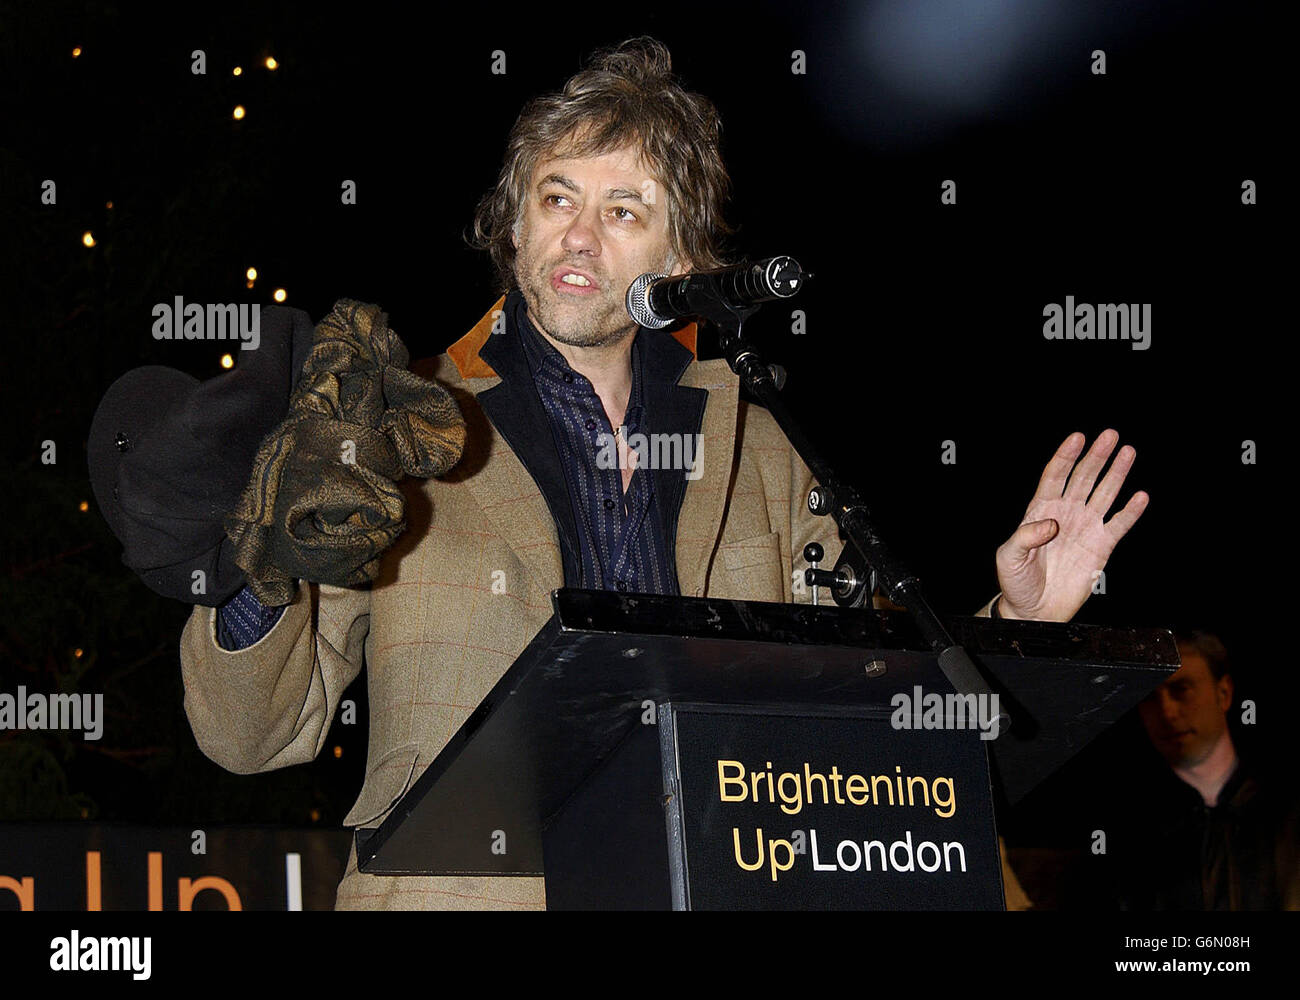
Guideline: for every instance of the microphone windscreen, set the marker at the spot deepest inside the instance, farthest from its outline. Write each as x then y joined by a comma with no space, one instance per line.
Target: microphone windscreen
638,302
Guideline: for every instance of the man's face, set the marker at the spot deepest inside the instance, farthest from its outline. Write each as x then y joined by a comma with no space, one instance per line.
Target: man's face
1185,716
602,219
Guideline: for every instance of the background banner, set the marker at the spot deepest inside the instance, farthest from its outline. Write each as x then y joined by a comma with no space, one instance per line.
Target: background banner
101,866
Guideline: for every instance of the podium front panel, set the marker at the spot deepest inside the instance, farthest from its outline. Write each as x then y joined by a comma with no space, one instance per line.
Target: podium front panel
782,812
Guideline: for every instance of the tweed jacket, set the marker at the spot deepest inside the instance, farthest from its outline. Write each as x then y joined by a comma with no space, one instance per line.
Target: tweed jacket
436,634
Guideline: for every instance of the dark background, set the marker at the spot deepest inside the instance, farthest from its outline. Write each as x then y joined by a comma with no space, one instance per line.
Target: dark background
924,321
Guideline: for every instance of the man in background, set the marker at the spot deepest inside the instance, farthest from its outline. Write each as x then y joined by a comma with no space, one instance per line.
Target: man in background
1219,834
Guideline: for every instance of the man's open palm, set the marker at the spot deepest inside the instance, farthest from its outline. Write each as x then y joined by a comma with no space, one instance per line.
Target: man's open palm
1047,567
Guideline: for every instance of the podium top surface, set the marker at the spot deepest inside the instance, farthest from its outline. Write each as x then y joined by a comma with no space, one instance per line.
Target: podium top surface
604,659
605,612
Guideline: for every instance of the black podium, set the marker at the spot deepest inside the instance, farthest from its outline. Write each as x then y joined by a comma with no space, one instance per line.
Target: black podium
656,752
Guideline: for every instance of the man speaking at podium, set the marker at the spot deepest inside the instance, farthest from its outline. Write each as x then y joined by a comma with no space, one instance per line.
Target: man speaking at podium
616,176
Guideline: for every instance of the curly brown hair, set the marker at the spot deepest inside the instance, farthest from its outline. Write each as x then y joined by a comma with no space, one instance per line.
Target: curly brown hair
625,95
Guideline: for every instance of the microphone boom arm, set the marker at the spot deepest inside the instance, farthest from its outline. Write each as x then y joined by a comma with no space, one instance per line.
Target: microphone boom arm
842,502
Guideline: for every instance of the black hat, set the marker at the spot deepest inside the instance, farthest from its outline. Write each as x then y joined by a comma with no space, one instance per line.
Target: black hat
169,457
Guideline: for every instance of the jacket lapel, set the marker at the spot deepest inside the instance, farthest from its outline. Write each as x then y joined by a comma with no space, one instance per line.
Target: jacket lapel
521,421
673,409
700,523
514,495
508,492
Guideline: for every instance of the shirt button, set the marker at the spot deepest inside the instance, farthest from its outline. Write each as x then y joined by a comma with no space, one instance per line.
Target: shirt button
622,585
591,425
609,504
568,378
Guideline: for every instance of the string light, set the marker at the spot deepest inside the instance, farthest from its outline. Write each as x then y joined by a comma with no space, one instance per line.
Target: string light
227,361
76,52
271,63
338,752
251,274
87,238
238,71
77,652
280,295
239,112
108,204
83,506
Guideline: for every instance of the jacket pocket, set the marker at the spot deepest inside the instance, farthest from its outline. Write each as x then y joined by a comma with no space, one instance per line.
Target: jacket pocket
385,783
753,570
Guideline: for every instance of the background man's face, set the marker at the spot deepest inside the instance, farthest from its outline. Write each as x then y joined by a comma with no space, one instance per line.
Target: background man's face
603,217
1185,716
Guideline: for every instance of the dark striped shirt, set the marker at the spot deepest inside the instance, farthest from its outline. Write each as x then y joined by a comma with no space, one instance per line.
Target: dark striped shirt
621,537
243,620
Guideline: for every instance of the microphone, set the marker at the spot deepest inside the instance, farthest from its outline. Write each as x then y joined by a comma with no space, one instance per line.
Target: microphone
655,300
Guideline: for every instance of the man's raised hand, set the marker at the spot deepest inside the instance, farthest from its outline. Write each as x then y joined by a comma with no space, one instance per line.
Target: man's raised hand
1047,567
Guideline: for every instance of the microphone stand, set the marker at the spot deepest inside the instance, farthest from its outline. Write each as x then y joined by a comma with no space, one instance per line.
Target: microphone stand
865,551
